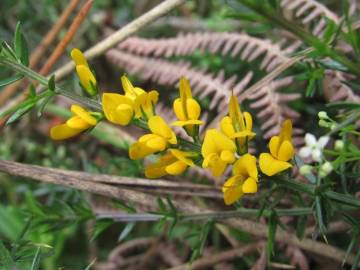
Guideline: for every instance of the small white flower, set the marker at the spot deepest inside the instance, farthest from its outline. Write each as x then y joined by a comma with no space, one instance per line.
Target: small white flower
313,147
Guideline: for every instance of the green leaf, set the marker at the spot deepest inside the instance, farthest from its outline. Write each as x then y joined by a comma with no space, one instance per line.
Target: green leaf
11,80
20,46
272,226
43,104
32,91
51,83
347,105
126,231
8,51
301,226
36,261
356,261
101,226
20,112
330,30
6,260
320,215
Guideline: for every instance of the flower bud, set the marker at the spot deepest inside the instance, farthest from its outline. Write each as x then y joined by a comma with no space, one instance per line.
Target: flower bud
333,126
305,169
339,145
323,115
323,123
325,169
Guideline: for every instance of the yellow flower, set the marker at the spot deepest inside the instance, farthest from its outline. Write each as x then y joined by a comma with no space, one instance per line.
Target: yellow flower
174,162
118,109
186,108
87,78
81,121
237,125
244,179
158,140
218,151
281,151
144,102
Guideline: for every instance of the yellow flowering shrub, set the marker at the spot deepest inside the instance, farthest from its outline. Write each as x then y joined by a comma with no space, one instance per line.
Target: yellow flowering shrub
216,151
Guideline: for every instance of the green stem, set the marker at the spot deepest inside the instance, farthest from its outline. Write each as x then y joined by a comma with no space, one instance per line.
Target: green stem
44,81
246,212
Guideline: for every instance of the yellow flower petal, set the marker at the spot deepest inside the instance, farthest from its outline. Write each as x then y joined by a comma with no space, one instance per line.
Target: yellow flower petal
83,114
140,150
271,166
218,168
157,143
185,89
183,156
249,185
235,114
130,91
246,166
76,122
227,156
243,134
178,109
187,123
286,151
215,142
117,108
86,77
227,127
158,126
193,109
274,145
176,168
78,57
63,131
123,114
210,160
248,121
232,189
158,169
286,131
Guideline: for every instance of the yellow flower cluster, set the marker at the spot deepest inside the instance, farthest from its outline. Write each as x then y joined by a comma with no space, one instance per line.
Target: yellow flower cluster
218,149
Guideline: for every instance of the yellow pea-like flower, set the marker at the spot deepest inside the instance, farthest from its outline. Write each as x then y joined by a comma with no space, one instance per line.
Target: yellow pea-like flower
117,108
86,77
238,125
79,122
218,151
243,181
161,137
281,151
186,108
175,162
144,102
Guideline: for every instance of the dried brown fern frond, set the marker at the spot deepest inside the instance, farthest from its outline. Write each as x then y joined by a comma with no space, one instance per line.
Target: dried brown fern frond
272,106
248,48
310,11
335,89
204,84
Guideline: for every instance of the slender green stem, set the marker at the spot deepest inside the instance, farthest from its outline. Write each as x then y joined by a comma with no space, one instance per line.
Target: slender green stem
44,81
246,212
